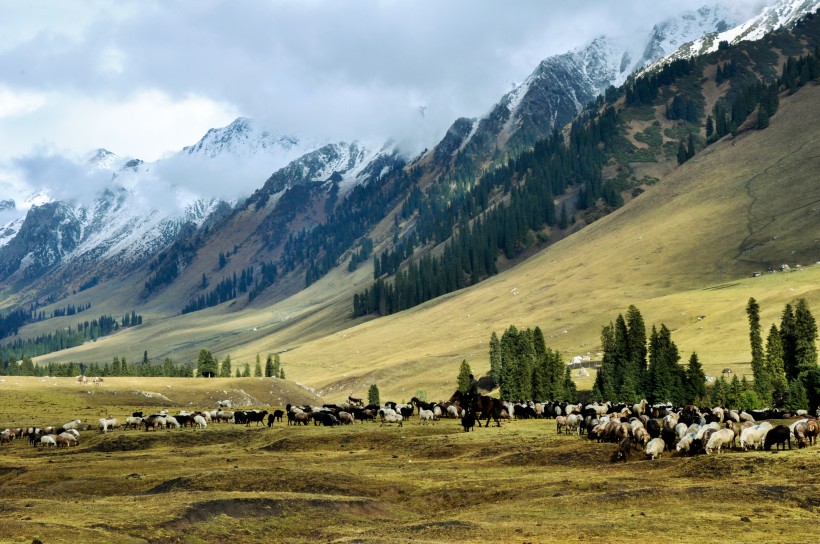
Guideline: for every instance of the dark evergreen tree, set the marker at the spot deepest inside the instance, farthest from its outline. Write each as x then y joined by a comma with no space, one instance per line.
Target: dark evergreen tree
495,358
695,381
774,365
760,371
788,342
206,364
464,374
257,369
373,395
570,389
805,352
268,366
225,369
798,398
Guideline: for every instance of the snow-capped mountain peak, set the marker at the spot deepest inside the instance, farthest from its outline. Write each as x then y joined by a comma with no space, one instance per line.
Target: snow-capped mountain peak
242,137
784,13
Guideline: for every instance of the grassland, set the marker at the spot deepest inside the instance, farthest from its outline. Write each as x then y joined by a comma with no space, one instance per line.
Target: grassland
518,483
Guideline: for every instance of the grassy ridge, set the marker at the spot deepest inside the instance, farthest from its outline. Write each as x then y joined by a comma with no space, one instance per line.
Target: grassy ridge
421,483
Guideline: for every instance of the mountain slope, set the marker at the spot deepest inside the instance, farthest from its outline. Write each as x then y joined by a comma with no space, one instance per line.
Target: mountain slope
679,251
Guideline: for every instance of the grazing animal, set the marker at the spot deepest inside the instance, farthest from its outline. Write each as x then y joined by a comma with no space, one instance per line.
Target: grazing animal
468,420
200,421
719,439
425,416
655,448
390,416
622,453
780,435
107,424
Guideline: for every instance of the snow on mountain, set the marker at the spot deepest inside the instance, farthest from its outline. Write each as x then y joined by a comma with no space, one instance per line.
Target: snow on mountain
563,84
782,14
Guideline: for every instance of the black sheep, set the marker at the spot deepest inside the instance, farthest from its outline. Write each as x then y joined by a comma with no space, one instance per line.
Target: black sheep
780,435
468,420
623,450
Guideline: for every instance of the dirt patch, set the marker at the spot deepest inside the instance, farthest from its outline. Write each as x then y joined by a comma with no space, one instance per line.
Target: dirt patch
11,472
176,484
261,508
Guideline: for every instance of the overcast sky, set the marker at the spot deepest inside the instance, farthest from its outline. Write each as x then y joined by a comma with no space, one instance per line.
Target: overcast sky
145,78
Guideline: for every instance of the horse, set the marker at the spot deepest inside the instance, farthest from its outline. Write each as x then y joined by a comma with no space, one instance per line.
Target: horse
484,406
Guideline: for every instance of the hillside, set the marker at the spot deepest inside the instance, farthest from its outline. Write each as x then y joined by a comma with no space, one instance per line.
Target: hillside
684,248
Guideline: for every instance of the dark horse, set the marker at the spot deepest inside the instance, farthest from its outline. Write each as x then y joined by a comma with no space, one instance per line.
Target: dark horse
485,407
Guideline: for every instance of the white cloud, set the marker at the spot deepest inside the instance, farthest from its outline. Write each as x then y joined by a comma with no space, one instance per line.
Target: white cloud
145,78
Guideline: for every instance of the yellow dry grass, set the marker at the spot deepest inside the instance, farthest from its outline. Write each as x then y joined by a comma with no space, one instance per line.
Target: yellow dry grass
368,484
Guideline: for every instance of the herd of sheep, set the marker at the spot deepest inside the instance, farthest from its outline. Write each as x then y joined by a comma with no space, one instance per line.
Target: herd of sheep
640,427
686,431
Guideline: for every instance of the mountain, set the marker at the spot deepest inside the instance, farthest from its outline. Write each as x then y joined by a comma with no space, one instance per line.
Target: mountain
784,13
561,85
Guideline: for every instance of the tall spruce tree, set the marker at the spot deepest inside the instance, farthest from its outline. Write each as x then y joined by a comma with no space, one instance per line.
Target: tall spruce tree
464,374
268,366
605,379
495,359
695,381
373,395
257,369
760,371
225,370
570,389
206,365
665,374
805,350
788,341
774,364
637,346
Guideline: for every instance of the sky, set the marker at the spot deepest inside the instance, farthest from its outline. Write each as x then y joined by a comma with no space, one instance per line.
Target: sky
144,78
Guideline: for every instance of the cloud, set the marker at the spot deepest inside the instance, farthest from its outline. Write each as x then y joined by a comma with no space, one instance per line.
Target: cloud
145,78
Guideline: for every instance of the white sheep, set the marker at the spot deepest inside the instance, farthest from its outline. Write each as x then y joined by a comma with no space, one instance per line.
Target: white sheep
425,416
719,439
680,430
48,440
109,423
685,443
72,424
655,448
752,437
452,411
200,421
133,422
390,416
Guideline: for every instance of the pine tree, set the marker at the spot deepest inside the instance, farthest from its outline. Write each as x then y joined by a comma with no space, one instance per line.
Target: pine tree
268,366
710,127
206,364
774,364
763,381
798,398
762,118
720,392
733,396
145,360
637,346
695,380
690,147
225,370
464,374
238,373
788,342
570,390
682,153
373,395
257,369
116,369
495,359
277,366
246,373
805,352
281,373
563,221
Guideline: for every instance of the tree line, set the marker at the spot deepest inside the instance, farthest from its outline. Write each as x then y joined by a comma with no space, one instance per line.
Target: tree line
67,337
524,368
208,366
